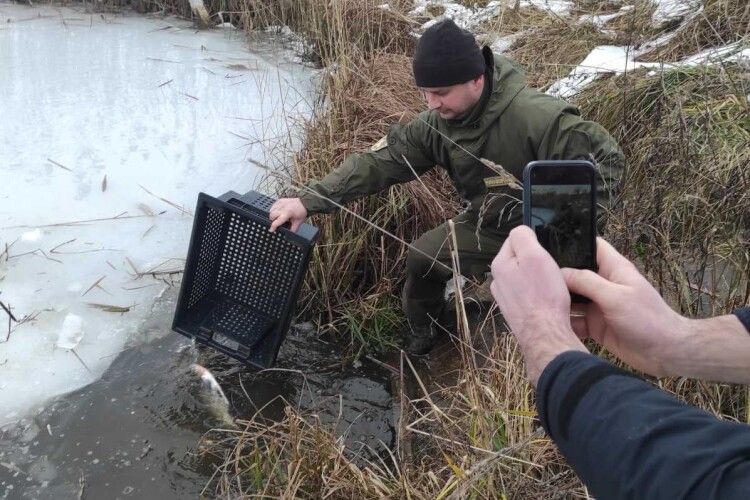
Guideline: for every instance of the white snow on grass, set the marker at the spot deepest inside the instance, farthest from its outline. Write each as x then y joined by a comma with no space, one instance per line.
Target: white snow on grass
600,20
559,7
605,59
470,17
111,127
668,11
609,59
733,52
504,43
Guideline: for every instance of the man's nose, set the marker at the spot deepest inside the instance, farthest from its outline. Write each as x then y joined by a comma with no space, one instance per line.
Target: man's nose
432,101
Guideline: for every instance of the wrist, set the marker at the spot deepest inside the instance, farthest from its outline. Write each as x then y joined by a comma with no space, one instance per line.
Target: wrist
675,354
542,338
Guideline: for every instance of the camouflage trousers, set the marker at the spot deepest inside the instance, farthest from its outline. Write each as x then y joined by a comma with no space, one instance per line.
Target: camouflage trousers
423,295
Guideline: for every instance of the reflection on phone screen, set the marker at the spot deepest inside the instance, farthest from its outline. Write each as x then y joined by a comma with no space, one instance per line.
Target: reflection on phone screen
561,218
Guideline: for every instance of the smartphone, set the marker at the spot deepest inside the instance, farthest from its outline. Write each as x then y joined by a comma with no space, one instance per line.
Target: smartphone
559,204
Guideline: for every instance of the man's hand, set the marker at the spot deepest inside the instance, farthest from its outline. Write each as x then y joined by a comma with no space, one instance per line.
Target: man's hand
287,210
528,286
629,317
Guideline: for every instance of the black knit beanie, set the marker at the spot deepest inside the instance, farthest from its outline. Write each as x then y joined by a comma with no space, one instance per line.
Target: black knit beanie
446,55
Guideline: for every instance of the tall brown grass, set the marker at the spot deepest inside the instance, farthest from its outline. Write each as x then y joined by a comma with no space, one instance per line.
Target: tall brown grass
720,22
470,432
357,271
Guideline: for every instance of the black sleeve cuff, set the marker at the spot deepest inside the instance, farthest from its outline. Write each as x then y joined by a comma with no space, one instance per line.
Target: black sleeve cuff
564,383
743,314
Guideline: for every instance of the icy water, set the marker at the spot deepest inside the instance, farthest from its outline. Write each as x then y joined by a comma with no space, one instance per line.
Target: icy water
111,127
134,433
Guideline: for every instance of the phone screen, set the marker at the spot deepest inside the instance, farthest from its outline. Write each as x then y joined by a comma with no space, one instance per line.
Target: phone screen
561,213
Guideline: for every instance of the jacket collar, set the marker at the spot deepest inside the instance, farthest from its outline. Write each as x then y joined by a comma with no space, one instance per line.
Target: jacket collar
503,81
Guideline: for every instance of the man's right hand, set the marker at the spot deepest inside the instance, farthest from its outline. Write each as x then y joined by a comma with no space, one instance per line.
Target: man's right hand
626,315
629,317
287,210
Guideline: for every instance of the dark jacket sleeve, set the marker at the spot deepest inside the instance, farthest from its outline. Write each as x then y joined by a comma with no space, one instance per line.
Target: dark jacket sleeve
743,314
628,439
570,137
403,159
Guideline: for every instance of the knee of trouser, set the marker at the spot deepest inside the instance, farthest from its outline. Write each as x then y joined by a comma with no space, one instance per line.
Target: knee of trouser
420,263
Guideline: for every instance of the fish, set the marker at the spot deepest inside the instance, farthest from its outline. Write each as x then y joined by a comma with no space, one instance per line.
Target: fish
212,396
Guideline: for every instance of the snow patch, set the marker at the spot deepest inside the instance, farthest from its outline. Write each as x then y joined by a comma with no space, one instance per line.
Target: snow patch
560,7
609,59
605,59
71,332
464,17
34,235
504,43
734,52
668,11
468,18
599,20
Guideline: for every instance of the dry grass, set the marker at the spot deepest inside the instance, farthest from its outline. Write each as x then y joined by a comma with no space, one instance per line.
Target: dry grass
686,199
720,23
515,19
356,272
357,265
685,216
550,52
340,31
474,438
635,26
550,46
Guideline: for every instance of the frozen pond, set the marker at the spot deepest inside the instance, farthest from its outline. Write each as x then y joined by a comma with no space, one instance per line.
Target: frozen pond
111,126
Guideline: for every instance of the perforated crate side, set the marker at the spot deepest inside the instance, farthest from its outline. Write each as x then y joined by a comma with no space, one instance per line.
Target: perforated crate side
241,281
210,240
257,268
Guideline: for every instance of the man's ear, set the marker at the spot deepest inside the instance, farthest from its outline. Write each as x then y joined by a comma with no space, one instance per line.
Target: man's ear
478,82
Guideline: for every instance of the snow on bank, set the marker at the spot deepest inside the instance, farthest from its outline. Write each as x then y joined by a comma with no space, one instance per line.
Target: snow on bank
668,11
112,125
734,52
468,18
605,59
600,20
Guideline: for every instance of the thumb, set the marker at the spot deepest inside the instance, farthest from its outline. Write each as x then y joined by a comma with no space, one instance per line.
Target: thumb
586,282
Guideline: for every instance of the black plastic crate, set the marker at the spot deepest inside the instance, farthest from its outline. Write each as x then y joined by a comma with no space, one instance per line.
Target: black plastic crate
241,282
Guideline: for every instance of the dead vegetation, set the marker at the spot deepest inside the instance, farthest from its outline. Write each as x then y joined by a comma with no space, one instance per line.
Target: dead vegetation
686,202
684,216
719,23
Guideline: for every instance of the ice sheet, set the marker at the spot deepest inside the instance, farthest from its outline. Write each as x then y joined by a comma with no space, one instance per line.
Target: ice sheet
119,121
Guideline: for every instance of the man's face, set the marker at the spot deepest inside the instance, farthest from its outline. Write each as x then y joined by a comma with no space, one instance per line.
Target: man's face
456,101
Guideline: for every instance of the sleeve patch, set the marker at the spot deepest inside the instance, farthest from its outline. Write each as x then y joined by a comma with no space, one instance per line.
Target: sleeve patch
382,143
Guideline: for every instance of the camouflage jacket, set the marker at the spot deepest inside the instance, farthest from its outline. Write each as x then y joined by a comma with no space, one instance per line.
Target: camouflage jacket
510,126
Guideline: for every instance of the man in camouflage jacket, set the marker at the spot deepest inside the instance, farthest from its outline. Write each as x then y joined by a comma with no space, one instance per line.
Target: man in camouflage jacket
482,124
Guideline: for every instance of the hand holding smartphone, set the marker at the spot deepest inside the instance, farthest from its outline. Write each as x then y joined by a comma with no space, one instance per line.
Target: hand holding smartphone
559,204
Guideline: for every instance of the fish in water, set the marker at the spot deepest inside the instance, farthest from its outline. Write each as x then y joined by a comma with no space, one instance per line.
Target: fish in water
212,396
